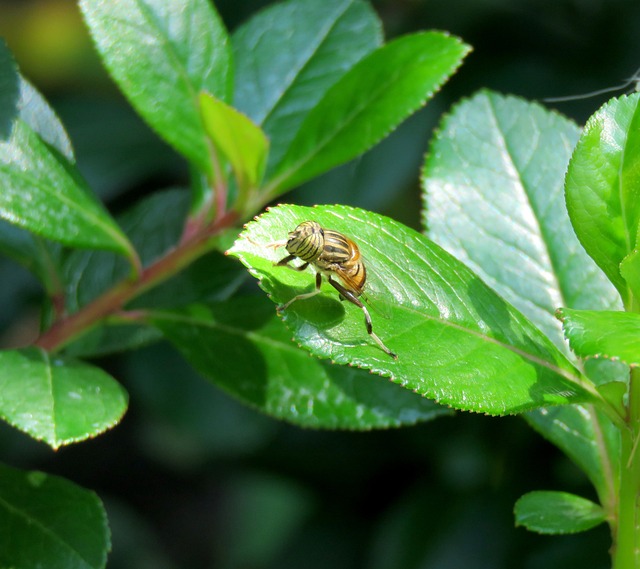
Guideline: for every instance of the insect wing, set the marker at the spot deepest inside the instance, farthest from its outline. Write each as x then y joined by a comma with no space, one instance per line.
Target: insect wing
373,293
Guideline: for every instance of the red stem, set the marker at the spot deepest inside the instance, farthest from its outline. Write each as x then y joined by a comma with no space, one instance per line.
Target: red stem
66,329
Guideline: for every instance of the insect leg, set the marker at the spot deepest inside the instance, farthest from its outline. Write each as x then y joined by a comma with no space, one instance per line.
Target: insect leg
306,294
348,295
285,263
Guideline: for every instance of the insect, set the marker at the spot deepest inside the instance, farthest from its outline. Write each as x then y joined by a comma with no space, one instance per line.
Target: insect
334,256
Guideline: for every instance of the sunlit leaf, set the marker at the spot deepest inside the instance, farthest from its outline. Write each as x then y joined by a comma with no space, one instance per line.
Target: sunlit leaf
162,53
602,186
368,102
493,182
290,53
457,341
601,333
57,400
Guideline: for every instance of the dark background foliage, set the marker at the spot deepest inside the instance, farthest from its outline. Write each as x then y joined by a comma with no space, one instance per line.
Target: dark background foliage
192,479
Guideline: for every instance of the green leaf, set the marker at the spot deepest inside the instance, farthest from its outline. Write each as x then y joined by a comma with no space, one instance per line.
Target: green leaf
441,317
602,186
601,333
493,184
557,513
366,103
38,255
42,119
245,349
46,196
162,54
289,54
239,140
493,198
46,521
57,400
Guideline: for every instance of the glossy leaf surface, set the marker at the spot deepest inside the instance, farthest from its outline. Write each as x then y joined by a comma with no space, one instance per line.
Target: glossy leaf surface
162,53
57,400
557,513
41,194
493,184
603,186
46,521
287,56
368,102
441,317
601,333
245,349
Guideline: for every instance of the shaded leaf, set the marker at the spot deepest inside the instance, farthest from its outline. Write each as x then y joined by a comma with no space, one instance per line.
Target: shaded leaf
602,186
288,55
57,400
245,349
162,54
587,437
46,521
601,333
368,102
557,513
154,226
441,317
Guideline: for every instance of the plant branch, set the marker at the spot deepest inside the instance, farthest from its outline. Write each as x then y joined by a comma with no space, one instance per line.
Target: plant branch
112,301
627,538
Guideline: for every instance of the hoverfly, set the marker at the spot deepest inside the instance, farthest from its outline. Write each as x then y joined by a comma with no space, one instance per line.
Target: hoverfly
333,255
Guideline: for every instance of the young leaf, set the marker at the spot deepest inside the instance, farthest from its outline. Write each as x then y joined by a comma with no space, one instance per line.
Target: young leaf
557,513
245,349
162,54
44,195
600,333
57,400
240,141
46,521
441,317
602,186
493,184
366,103
288,55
